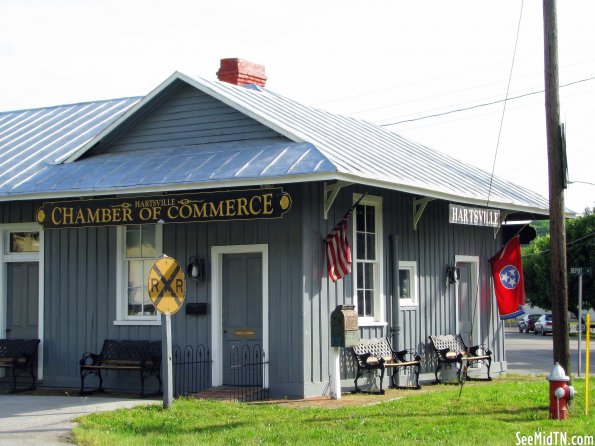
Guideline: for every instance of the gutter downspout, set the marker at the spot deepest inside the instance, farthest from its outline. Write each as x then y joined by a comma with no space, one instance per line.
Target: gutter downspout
395,329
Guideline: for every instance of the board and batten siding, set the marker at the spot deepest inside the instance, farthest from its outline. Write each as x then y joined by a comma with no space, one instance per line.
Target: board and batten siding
18,212
432,246
187,117
80,303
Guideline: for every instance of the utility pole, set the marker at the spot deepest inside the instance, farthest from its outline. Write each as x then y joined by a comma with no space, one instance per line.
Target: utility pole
557,185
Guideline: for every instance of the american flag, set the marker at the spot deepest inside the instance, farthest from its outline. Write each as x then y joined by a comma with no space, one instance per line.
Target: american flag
338,253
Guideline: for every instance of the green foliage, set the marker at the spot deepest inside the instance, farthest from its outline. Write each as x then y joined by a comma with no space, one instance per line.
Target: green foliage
542,227
580,252
485,413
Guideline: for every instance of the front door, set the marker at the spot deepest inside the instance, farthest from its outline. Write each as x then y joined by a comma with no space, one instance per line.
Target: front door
242,317
22,292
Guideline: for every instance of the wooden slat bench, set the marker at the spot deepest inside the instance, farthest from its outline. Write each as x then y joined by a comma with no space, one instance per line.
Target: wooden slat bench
143,357
378,354
19,355
451,351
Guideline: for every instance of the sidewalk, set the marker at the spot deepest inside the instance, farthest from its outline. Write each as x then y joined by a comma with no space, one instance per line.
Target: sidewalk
41,419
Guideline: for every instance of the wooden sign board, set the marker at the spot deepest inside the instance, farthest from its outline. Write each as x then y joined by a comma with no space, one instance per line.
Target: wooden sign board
468,215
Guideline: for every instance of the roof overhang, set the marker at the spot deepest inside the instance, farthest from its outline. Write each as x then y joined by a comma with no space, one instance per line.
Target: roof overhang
527,212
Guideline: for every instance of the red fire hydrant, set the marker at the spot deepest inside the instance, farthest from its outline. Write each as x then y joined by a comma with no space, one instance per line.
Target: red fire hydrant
560,393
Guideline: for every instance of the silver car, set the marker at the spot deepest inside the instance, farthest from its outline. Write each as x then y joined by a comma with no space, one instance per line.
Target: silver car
543,325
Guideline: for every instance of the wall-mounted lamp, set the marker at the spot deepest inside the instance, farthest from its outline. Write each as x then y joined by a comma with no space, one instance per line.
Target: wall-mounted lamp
453,274
196,268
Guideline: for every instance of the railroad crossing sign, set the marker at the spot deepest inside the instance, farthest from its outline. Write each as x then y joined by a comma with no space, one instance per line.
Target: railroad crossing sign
167,285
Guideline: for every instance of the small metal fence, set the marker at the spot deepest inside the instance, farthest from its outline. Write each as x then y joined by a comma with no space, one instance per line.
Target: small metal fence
191,369
247,373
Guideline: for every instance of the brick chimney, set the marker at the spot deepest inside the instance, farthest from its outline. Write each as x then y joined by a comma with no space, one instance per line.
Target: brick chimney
241,72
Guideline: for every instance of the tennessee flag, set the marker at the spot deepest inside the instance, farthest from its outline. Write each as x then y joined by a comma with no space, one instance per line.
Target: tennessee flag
509,286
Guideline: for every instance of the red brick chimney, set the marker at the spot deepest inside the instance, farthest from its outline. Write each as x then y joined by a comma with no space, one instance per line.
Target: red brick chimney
241,72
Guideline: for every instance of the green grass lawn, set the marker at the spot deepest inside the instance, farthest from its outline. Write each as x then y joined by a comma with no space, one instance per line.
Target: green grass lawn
486,413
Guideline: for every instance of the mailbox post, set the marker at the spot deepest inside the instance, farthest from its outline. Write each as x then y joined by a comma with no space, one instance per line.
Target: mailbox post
344,333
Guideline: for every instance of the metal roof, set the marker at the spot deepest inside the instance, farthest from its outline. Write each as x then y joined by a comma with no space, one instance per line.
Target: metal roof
32,140
203,164
320,146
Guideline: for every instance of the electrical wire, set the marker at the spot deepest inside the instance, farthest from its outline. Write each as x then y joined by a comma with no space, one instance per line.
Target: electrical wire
485,104
583,239
581,182
483,245
516,42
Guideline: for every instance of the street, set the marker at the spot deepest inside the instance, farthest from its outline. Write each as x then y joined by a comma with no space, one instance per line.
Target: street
527,353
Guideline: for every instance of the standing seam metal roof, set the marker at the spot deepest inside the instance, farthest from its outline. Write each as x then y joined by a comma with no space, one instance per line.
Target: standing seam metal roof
40,151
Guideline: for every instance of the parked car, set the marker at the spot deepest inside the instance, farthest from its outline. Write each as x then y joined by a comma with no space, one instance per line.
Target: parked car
573,325
543,325
527,322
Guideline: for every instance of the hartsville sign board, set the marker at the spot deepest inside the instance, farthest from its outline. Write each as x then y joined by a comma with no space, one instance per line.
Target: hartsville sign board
466,215
245,204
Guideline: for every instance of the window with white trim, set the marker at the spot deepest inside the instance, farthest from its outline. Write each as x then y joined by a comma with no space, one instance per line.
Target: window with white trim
138,247
407,283
22,242
367,260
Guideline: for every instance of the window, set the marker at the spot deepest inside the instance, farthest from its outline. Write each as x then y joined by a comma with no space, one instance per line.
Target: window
23,242
138,247
367,260
407,283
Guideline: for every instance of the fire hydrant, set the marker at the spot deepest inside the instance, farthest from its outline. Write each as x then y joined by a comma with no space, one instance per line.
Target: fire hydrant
560,393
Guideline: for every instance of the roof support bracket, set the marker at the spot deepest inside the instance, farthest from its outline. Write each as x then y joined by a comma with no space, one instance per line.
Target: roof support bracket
330,193
419,206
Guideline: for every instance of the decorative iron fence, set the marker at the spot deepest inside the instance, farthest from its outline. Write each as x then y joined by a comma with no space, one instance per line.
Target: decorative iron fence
191,369
247,373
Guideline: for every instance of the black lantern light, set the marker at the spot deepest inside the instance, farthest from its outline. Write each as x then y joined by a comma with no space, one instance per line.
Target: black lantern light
453,274
196,268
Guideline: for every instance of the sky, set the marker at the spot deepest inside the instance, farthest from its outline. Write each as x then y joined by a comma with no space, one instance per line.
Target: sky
391,62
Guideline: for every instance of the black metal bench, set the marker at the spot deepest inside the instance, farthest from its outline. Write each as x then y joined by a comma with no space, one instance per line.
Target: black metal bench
377,354
19,355
143,357
451,351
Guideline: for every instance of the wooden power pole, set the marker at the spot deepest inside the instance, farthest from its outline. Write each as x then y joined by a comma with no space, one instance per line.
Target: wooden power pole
557,185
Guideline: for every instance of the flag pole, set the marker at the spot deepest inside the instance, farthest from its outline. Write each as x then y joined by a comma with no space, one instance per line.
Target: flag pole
358,201
350,210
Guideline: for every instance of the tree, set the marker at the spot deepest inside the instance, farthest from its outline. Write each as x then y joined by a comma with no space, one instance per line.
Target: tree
542,227
580,248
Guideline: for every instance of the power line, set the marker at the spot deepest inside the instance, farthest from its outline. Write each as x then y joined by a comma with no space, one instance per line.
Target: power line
457,74
505,102
485,104
568,245
581,182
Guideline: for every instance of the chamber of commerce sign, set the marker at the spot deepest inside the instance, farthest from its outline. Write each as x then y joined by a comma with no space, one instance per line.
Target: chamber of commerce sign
466,215
247,204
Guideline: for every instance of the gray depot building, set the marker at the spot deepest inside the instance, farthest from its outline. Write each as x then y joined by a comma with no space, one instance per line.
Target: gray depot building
241,186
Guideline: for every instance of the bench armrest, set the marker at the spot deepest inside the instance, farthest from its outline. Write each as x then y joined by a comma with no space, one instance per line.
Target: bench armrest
363,359
152,362
441,352
479,350
22,360
89,358
407,356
